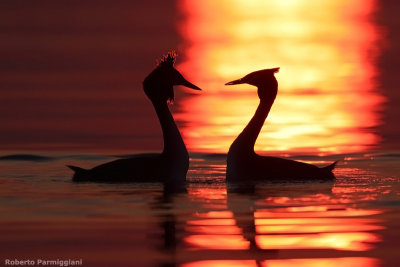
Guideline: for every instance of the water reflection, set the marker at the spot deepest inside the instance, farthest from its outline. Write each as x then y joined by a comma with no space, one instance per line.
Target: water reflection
327,262
257,220
336,227
302,224
328,100
211,224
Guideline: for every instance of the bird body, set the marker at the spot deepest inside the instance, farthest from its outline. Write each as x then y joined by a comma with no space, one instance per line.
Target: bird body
243,164
264,168
137,168
172,164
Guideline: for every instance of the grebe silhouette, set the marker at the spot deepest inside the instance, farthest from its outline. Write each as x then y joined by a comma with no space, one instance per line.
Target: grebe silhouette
172,164
243,164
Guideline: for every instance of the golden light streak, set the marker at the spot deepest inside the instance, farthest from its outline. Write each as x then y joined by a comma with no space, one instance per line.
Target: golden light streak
315,211
307,229
356,241
328,100
333,226
326,262
233,242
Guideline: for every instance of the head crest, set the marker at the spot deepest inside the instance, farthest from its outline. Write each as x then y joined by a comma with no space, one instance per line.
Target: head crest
167,60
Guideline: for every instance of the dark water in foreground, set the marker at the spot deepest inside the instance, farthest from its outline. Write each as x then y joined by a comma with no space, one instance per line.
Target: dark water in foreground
352,222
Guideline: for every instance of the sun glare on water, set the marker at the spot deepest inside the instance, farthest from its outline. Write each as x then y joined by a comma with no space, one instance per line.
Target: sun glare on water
328,100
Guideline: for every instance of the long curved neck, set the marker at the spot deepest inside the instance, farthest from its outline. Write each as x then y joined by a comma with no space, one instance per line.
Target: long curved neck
247,138
173,143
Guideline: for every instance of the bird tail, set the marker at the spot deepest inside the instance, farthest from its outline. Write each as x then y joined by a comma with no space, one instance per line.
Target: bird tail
80,173
330,167
76,169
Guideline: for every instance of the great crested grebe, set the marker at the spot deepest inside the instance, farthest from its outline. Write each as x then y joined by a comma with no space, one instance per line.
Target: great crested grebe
244,164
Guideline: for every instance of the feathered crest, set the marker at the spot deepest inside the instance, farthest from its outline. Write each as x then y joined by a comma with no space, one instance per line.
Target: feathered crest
167,60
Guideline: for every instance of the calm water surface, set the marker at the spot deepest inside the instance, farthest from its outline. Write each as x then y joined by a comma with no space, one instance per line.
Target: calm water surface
333,95
352,222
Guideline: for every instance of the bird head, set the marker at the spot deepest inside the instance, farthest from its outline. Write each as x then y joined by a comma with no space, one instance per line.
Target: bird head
264,80
158,85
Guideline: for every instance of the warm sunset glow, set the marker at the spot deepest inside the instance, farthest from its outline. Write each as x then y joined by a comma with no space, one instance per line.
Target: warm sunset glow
327,101
317,227
307,221
315,212
221,263
225,222
234,242
314,228
214,230
244,226
358,241
328,262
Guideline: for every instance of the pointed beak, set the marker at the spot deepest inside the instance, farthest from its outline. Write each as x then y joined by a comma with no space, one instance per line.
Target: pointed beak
180,80
184,82
238,81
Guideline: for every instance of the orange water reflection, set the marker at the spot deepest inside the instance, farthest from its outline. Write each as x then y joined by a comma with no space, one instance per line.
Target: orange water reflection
328,100
244,224
328,262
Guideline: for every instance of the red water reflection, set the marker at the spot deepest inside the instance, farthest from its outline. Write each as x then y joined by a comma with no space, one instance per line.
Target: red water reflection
357,241
328,100
328,262
240,222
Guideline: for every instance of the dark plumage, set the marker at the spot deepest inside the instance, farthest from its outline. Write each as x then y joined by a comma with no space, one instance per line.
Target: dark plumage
243,164
172,164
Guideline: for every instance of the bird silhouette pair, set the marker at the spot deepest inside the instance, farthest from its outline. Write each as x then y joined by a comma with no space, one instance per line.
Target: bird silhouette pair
171,166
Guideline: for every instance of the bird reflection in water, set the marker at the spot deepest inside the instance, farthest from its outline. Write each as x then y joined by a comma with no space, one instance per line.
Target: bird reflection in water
261,222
